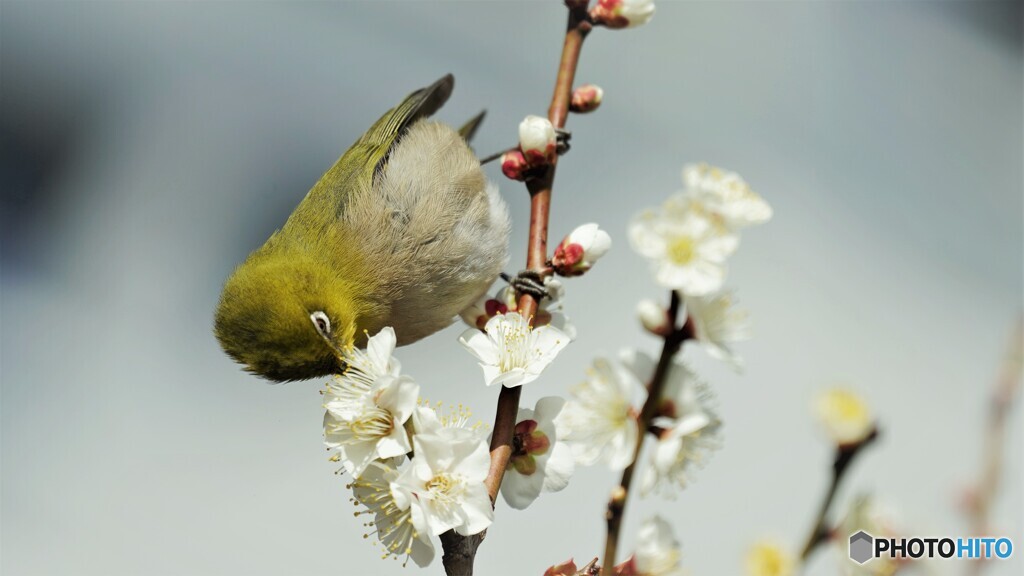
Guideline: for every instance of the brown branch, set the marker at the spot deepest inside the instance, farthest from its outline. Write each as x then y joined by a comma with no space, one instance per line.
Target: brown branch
537,248
459,552
987,488
461,549
617,502
844,457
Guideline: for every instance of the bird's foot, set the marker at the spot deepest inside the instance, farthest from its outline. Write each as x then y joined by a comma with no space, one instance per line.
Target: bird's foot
528,282
562,138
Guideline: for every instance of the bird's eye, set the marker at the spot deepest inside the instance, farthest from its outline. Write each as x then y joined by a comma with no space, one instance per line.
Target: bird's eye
322,322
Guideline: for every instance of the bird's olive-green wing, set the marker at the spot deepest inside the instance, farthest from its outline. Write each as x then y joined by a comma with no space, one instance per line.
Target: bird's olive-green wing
362,163
373,148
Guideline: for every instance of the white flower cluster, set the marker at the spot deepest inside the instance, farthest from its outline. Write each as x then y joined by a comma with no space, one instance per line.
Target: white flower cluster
688,241
373,421
600,422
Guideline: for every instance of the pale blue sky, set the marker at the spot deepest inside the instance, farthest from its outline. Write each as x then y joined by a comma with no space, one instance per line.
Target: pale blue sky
148,147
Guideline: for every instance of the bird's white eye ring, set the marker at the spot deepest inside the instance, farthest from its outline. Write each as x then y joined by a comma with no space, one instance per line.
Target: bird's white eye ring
322,322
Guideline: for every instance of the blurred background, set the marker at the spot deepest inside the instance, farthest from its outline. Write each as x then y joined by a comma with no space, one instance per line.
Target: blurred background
148,147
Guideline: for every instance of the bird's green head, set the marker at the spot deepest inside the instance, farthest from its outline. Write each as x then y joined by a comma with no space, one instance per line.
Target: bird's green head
285,319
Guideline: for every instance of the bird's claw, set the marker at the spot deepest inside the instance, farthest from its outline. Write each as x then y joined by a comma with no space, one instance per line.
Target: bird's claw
562,138
528,282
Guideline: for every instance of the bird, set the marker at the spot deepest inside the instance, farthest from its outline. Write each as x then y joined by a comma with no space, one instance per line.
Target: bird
403,231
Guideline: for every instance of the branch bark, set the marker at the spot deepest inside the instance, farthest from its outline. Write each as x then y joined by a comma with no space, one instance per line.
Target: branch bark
987,488
821,529
460,551
620,494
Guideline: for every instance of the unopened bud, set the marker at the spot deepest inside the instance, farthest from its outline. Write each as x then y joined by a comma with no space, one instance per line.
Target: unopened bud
653,317
622,13
483,310
514,165
580,250
537,140
586,98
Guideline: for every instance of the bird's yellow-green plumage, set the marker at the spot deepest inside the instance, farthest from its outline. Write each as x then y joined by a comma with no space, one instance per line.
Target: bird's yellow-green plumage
403,231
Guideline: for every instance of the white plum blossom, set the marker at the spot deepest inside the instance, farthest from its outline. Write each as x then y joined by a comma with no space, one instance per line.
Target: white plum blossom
402,532
657,552
880,520
537,139
445,481
623,13
678,451
687,249
510,351
541,460
689,238
717,324
845,416
726,195
769,558
688,425
368,405
580,250
599,421
428,420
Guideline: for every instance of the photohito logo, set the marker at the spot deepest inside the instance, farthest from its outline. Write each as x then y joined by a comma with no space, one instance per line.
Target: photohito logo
865,547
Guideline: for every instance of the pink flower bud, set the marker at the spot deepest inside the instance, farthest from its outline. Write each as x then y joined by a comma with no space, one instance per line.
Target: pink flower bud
537,140
580,250
586,98
514,165
622,13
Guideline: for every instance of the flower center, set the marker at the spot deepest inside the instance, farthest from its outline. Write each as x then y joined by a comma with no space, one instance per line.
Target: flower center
528,442
375,422
850,411
515,342
443,488
680,250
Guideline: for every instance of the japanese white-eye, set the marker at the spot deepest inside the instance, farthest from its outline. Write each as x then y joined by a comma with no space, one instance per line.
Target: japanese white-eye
403,231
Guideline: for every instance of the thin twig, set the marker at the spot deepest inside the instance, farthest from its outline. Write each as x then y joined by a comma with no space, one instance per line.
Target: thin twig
844,457
987,488
536,259
617,503
537,248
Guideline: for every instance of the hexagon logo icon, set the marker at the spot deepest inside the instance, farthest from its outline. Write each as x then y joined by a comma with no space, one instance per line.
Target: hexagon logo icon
861,547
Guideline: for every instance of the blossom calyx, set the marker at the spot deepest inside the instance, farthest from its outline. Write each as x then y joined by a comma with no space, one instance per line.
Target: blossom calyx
580,250
514,165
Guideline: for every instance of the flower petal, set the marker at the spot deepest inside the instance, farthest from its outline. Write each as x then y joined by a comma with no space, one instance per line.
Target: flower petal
477,510
520,490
